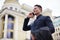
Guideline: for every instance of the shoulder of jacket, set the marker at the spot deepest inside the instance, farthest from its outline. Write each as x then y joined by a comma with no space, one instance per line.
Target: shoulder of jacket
43,16
46,16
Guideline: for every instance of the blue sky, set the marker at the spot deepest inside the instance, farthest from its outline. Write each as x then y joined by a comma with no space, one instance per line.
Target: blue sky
54,5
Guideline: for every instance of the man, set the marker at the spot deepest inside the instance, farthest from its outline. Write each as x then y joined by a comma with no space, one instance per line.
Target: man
42,27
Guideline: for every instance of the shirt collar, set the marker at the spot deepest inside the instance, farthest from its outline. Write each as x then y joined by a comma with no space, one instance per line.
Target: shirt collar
39,16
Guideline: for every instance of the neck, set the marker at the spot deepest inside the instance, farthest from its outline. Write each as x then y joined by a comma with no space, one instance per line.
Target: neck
38,14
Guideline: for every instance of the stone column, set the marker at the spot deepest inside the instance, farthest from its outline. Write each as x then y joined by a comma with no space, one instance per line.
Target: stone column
16,29
5,26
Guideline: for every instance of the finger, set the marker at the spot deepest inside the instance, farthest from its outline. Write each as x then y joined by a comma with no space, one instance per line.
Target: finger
30,14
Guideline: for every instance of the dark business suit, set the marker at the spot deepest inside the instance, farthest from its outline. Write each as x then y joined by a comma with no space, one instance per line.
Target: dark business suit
35,27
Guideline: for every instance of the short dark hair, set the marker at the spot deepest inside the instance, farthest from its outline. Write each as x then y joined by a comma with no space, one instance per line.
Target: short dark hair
39,6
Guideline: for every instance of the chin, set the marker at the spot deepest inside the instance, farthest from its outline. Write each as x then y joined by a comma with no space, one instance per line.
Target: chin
35,13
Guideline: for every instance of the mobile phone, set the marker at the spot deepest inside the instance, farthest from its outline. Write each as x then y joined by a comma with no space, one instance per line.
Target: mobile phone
32,13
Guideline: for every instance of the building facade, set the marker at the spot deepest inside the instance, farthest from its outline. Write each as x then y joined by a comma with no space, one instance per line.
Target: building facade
56,23
12,17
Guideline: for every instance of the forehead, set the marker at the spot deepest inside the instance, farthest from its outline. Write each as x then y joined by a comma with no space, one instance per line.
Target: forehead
36,7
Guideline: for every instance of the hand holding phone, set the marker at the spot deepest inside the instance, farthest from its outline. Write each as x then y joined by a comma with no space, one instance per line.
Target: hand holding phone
30,15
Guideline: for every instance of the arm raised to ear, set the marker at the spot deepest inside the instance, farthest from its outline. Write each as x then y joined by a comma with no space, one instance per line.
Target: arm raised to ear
26,27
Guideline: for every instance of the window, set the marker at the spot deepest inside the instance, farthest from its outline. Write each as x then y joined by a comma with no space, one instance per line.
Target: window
59,24
58,28
10,26
11,8
15,8
59,34
9,34
10,22
23,13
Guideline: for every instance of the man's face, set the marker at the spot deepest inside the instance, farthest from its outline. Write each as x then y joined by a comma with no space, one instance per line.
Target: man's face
37,10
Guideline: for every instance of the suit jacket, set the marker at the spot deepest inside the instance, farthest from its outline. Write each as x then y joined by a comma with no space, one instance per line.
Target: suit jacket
41,21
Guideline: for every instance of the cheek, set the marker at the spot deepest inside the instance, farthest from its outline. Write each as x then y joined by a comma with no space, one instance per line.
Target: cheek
39,10
36,10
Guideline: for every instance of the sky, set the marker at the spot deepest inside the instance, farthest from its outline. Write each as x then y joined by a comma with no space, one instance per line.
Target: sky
54,5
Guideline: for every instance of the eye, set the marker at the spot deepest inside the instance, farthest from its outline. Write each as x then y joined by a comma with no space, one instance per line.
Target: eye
34,8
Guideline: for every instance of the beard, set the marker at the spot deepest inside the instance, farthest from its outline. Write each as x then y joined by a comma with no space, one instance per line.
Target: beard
36,13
